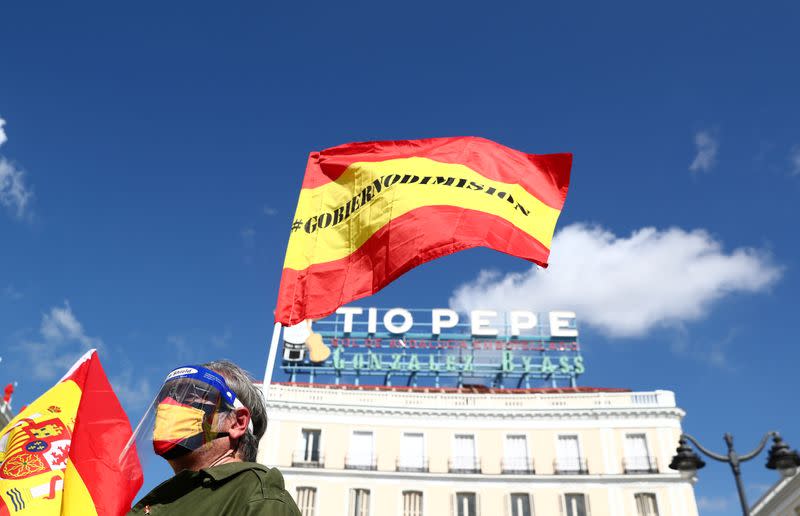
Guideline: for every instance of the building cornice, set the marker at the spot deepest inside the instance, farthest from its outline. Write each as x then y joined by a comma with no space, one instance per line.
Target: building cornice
291,409
600,479
292,400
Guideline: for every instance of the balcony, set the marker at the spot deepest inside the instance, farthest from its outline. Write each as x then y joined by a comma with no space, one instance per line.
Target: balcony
638,465
307,460
571,466
517,466
464,465
412,465
361,462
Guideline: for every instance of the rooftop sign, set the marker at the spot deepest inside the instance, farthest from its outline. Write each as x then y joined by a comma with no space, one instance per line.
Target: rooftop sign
435,347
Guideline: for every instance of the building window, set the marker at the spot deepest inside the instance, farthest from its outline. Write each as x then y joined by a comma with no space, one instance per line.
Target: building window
637,458
568,453
576,504
361,455
646,504
412,453
412,503
515,458
464,459
306,498
520,504
307,452
466,504
359,502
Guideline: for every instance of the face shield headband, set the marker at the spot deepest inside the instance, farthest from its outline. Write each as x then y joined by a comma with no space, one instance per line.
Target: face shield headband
190,410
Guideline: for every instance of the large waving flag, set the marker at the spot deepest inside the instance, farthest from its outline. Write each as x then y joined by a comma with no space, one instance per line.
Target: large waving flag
369,212
60,456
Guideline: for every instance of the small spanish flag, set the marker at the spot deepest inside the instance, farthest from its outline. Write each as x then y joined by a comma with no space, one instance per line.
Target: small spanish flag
369,212
61,455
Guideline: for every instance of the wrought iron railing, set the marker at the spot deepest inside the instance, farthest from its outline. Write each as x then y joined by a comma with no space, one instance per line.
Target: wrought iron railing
465,465
645,464
570,466
362,462
412,465
517,466
302,459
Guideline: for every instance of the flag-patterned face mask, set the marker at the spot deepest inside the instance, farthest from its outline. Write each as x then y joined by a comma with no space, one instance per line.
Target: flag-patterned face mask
190,411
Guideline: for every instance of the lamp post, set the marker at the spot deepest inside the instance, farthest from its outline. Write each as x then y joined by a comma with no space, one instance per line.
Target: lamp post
780,458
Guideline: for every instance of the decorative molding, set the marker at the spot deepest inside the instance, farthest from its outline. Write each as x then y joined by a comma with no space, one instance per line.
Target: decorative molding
291,408
598,480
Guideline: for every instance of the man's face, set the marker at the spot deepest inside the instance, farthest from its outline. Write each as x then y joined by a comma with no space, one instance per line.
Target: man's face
189,417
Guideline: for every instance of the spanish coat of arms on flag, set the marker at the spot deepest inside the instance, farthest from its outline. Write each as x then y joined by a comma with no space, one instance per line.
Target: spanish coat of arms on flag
61,455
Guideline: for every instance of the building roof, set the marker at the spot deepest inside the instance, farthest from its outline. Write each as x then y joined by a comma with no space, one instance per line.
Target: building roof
783,493
467,389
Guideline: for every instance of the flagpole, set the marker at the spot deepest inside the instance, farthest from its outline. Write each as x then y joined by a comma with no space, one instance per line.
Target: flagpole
273,351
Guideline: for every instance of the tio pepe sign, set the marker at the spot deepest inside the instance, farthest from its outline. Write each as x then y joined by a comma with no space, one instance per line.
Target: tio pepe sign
481,323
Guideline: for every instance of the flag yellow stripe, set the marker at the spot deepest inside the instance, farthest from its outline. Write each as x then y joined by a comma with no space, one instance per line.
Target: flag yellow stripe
335,219
64,395
76,500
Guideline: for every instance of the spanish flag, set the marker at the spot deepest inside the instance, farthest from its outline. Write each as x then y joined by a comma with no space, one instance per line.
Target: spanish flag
61,455
369,212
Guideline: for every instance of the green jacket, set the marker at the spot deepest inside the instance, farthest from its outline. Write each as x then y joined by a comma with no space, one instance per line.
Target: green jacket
235,489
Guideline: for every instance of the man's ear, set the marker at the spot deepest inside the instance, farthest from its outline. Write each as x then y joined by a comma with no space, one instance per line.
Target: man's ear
240,420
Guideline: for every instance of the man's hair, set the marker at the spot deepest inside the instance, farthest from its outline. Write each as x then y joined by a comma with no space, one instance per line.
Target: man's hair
251,397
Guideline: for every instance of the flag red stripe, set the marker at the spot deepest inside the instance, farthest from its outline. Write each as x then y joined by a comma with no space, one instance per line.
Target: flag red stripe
101,430
405,242
547,175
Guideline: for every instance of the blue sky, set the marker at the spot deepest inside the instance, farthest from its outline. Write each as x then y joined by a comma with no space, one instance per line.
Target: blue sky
153,154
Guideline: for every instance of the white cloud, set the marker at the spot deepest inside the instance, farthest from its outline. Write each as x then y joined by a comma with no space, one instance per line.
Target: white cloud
183,350
133,390
270,211
63,340
794,158
61,325
713,503
14,194
11,293
249,243
626,286
222,341
710,351
707,146
248,237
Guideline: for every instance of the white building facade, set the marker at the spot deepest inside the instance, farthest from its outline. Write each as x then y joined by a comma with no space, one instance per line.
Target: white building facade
405,451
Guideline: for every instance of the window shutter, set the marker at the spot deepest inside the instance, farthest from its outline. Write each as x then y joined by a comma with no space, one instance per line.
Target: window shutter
477,504
588,505
353,508
562,500
299,447
453,505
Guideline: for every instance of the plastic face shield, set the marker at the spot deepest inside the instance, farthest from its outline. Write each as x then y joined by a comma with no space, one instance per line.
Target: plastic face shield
188,412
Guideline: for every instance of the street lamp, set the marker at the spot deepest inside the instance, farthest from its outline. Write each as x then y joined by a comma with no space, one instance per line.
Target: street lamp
780,458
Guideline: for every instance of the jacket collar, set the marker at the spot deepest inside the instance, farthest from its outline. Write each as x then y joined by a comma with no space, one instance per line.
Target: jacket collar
225,471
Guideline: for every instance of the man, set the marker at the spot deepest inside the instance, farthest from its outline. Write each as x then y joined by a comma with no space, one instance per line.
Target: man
208,421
